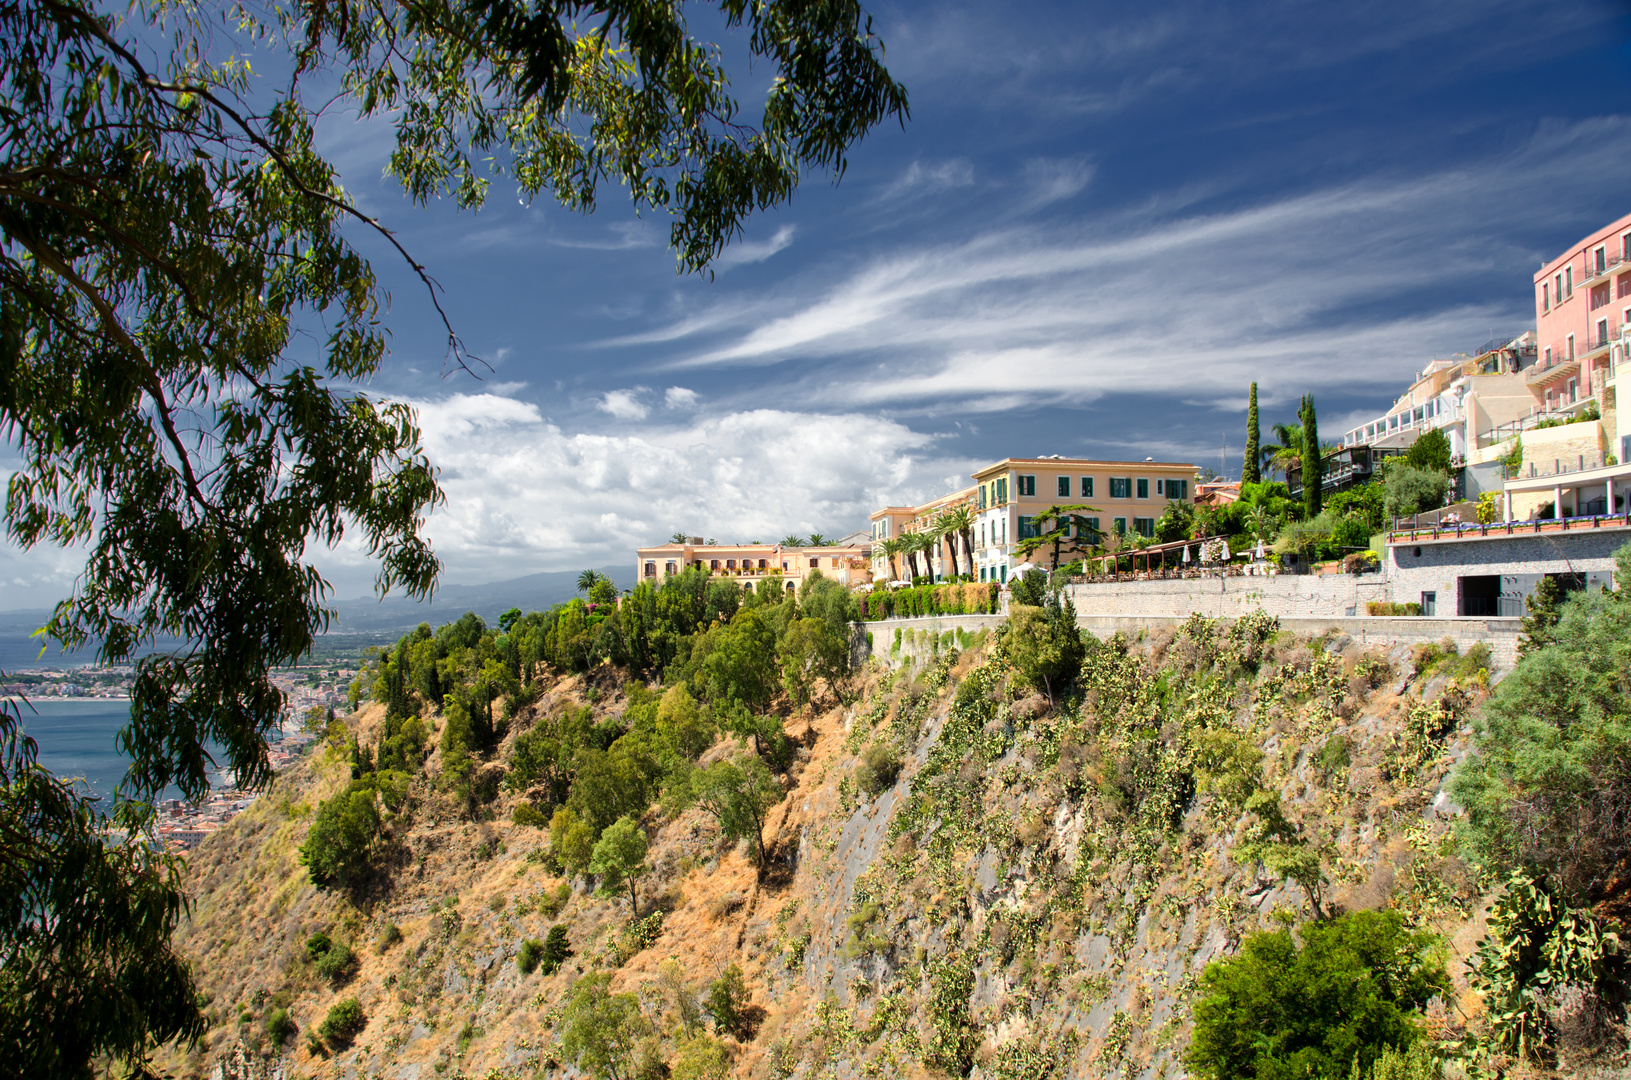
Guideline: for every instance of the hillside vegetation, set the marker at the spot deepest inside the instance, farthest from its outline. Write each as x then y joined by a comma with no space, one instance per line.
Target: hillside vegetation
1037,856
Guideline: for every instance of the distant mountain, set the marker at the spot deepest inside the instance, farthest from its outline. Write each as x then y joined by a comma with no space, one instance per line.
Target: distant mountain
375,620
536,592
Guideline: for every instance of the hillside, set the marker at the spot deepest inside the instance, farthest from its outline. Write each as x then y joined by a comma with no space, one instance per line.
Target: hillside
1034,894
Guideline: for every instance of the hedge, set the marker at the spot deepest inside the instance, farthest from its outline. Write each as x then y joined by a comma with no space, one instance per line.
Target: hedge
967,598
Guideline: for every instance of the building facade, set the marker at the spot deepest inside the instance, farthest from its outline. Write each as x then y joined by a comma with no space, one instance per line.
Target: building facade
1576,464
757,566
1009,499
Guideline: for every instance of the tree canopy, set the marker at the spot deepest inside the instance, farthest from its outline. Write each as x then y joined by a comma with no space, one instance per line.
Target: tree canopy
185,322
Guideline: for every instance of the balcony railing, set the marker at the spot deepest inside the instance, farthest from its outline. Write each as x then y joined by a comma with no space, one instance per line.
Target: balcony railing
1547,370
1533,470
1614,261
1403,532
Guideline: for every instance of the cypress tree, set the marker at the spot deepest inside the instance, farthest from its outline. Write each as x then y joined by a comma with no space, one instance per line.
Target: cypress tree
1252,472
1313,467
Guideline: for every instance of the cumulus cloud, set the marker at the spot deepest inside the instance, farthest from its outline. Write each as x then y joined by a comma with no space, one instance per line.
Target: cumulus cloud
625,404
679,397
526,495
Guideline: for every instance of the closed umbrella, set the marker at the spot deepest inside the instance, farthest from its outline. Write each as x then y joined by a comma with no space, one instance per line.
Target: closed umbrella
1186,554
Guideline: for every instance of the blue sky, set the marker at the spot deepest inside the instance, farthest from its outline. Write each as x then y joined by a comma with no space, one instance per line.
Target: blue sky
1102,222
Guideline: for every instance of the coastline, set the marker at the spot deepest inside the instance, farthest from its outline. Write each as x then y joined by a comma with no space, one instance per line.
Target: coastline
61,697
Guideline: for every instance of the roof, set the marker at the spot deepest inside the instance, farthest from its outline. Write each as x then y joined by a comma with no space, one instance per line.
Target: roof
1064,462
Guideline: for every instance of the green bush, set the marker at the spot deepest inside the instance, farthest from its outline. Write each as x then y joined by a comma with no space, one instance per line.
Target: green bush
388,937
727,1001
527,960
317,945
529,816
555,950
337,963
1414,491
338,850
1044,643
344,1022
1545,789
879,767
1281,1009
280,1026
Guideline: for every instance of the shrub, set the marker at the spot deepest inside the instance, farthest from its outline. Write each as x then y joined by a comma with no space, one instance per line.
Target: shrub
1384,607
727,1001
388,937
337,963
1044,644
879,767
555,950
317,945
1279,1009
280,1026
337,852
527,960
1413,491
344,1022
529,816
701,1058
1547,788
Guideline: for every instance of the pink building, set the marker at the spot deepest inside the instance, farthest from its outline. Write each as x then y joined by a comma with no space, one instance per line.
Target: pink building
1582,306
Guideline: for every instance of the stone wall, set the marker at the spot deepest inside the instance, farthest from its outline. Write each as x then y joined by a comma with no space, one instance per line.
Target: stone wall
1285,595
894,641
1521,559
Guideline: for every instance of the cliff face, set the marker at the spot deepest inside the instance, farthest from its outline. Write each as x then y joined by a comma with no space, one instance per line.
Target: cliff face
1034,893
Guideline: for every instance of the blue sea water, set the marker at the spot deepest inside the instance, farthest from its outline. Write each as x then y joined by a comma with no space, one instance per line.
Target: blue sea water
77,738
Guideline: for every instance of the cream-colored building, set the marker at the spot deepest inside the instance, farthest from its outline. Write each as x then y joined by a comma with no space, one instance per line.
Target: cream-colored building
1008,496
756,566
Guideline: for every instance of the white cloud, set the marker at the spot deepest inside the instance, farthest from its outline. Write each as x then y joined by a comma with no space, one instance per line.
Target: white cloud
1052,180
1344,289
679,397
927,178
743,251
625,404
525,495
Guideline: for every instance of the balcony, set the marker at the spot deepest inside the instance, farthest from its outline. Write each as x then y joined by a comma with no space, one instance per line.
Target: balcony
1552,371
1614,262
1449,411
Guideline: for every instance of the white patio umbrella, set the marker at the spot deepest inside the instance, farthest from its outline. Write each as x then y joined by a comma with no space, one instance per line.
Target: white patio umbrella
1186,554
1226,555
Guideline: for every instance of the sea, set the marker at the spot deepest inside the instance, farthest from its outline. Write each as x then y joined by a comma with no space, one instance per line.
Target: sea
78,741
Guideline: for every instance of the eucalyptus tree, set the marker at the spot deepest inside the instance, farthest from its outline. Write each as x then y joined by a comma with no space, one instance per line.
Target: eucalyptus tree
185,324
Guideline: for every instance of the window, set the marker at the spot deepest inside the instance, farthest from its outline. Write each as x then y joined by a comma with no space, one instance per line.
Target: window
763,564
1064,487
669,567
1574,391
1027,527
982,573
1121,526
1027,486
1568,280
1571,347
982,534
1160,487
1601,256
1545,296
982,497
1005,573
1548,355
1089,528
1429,603
1602,334
1625,247
786,563
1144,526
1143,488
730,564
651,569
835,562
1087,481
1178,489
1121,487
713,564
1557,288
814,563
999,491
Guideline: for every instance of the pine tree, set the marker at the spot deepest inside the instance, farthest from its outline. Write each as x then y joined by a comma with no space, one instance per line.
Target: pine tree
1313,467
1252,472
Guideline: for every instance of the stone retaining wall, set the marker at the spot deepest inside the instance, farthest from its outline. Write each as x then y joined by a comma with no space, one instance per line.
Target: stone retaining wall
922,639
1285,595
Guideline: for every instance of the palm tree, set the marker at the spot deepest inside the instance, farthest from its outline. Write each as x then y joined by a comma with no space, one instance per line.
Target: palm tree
792,541
588,580
1286,450
958,524
915,544
818,539
890,548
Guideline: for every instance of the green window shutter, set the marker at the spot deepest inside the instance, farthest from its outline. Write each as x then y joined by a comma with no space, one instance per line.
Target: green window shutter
1087,487
1064,487
1143,488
